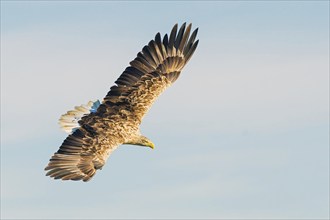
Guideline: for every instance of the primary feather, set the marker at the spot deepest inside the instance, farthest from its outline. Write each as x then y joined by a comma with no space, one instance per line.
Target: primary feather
98,129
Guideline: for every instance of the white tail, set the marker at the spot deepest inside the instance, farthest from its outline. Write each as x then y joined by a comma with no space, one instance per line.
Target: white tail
69,121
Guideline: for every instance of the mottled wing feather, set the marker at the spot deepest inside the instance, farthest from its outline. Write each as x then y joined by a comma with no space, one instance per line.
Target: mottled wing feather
156,67
79,156
68,162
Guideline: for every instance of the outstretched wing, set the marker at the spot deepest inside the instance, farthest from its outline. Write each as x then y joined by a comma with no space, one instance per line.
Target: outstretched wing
149,74
79,156
155,68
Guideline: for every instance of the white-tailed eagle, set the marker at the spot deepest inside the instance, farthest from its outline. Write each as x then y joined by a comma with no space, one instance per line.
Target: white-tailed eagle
96,129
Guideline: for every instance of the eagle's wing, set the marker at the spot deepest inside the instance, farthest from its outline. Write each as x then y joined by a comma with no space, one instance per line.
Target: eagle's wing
79,156
149,74
152,71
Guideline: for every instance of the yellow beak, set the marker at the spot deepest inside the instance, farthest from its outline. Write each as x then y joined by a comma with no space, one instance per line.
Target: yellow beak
151,145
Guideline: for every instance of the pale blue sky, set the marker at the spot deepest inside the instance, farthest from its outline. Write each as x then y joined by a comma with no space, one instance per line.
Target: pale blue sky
243,133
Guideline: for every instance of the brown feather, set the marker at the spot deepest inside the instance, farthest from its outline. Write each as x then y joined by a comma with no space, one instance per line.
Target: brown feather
117,119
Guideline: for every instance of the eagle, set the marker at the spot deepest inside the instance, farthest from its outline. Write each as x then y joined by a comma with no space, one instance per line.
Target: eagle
97,128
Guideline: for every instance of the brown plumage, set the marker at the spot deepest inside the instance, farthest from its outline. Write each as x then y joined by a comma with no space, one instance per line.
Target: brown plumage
102,128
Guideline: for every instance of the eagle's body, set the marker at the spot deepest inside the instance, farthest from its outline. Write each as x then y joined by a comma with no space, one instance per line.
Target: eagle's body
98,129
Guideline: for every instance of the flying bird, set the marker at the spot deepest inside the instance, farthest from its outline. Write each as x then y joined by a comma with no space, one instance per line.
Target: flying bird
96,129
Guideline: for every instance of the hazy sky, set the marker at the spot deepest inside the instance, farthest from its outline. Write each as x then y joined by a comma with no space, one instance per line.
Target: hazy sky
243,133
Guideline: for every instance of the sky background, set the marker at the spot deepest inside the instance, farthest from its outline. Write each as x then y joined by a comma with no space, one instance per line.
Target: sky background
243,133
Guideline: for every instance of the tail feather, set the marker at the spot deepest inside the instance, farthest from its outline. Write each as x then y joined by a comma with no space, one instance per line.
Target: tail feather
69,122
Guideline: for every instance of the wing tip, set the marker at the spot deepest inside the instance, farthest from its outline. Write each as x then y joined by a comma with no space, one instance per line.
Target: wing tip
66,167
